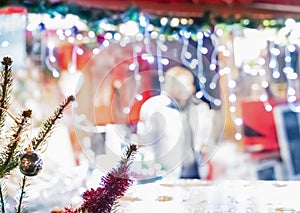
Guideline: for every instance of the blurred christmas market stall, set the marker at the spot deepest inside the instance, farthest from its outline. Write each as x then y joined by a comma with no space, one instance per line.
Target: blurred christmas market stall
112,56
245,55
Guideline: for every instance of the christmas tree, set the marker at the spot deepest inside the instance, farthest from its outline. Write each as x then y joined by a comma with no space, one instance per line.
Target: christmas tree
17,151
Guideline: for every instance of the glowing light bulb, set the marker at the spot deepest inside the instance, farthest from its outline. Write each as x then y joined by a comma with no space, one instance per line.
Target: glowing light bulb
199,94
139,97
174,22
276,74
165,61
275,51
96,51
202,80
163,21
232,97
132,66
105,43
291,91
263,97
59,32
212,85
71,40
232,84
212,67
79,37
272,64
292,98
130,28
204,50
291,48
238,136
268,108
183,21
117,36
161,79
238,121
52,59
91,34
232,109
126,110
68,32
79,51
292,75
108,36
138,77
187,55
217,102
264,84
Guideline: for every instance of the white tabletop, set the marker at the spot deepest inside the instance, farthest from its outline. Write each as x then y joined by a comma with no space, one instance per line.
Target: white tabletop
202,196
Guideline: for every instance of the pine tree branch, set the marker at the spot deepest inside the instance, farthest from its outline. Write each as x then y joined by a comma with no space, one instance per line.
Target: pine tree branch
2,200
22,195
9,157
49,124
5,89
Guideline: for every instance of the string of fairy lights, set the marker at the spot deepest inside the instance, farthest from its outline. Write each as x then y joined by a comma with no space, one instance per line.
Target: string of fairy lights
141,30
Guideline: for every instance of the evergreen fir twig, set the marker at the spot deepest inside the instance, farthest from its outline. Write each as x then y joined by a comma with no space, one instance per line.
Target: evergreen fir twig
2,200
10,155
5,89
22,195
49,124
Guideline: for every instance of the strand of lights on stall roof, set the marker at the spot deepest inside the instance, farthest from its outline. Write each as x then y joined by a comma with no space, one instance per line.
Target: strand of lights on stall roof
201,50
50,59
135,67
274,64
75,50
261,72
144,21
214,63
105,43
258,70
185,55
264,96
217,48
227,52
238,122
159,47
40,29
134,39
291,34
44,44
291,76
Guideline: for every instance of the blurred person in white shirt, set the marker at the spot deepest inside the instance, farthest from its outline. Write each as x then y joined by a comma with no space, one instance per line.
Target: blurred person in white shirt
175,128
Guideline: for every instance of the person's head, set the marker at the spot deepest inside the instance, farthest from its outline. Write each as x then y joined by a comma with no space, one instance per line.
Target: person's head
179,84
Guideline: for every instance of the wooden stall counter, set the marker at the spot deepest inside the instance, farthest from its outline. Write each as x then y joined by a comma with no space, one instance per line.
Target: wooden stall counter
223,196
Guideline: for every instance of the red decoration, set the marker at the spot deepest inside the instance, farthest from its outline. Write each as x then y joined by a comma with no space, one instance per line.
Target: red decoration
13,10
262,125
112,187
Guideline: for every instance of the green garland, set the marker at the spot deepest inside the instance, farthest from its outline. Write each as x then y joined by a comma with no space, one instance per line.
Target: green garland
94,16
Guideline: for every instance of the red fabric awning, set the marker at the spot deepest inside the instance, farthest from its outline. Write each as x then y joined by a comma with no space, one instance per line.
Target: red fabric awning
284,2
264,9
